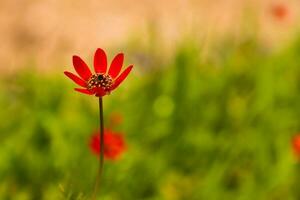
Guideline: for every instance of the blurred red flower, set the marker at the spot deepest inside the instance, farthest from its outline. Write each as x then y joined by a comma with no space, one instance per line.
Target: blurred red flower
296,145
280,11
114,144
102,82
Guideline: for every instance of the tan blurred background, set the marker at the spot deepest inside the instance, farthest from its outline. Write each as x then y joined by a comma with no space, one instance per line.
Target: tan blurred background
46,33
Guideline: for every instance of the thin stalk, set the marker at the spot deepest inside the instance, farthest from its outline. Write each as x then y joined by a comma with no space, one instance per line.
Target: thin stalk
101,155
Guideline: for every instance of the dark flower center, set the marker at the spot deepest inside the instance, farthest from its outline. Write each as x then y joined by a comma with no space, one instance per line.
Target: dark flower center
103,81
100,77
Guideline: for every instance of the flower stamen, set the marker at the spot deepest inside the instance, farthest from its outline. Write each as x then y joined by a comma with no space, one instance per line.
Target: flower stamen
103,81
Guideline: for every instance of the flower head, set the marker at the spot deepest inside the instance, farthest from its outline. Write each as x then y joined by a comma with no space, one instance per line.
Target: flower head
114,144
103,81
280,11
296,145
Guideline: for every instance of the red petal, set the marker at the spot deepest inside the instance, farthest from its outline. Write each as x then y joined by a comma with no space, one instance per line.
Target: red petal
75,78
85,91
116,65
120,79
81,68
100,92
95,143
100,61
114,144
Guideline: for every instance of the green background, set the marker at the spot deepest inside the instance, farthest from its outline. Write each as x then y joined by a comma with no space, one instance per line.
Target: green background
214,128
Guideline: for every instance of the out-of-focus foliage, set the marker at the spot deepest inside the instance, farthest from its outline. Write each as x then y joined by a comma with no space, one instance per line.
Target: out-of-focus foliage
195,129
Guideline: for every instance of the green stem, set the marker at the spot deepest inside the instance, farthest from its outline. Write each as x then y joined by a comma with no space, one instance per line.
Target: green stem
101,155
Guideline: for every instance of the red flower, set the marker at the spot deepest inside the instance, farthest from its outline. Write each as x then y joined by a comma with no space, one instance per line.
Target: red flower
280,11
114,144
296,145
102,82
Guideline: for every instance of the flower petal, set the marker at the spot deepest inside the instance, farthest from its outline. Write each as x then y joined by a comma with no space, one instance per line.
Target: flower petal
81,68
116,65
120,79
75,78
114,144
100,61
85,91
100,92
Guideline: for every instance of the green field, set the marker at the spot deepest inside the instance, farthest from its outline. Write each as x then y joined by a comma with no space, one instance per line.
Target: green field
214,129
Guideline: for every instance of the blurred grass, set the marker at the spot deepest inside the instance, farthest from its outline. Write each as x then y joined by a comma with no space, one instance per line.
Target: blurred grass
214,129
